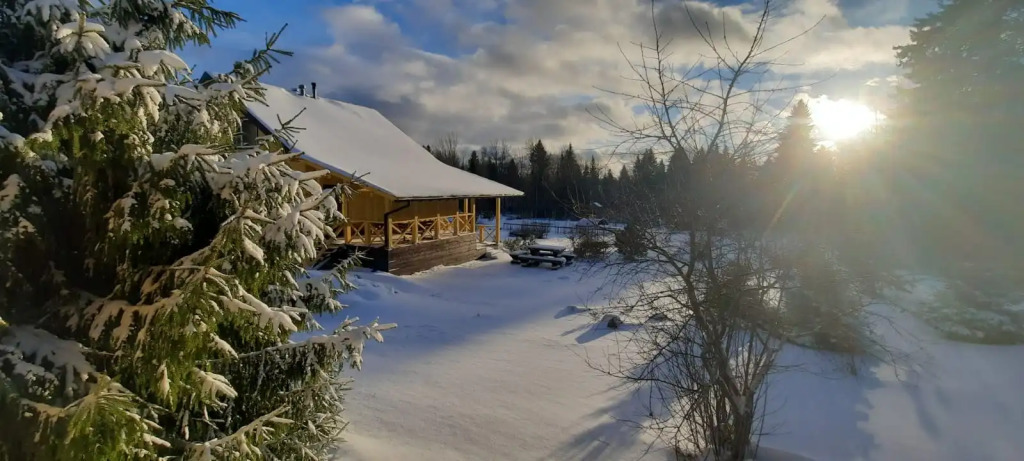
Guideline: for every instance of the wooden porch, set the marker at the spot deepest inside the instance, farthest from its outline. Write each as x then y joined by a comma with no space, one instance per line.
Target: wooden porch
392,233
411,243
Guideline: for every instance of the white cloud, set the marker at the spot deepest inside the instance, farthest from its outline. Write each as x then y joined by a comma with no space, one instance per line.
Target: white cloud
358,27
536,73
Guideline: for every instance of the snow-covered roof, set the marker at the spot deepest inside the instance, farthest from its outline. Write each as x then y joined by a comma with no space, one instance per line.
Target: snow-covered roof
356,141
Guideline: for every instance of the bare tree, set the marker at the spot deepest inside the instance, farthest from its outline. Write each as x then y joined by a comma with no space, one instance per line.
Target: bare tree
447,149
712,291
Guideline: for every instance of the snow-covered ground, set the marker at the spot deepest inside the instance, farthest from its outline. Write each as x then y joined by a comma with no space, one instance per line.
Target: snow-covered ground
487,363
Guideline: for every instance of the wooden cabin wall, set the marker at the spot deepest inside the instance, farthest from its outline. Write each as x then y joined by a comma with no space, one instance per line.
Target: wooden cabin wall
370,205
363,205
367,205
425,209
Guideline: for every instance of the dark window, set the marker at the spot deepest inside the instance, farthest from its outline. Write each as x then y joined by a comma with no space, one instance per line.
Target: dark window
249,133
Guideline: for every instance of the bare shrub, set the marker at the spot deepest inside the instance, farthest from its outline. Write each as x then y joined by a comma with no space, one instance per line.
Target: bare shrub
707,361
718,283
822,308
590,243
962,312
518,243
530,230
629,243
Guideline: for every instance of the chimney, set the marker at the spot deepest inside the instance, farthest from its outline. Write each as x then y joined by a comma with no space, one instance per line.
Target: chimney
302,89
313,85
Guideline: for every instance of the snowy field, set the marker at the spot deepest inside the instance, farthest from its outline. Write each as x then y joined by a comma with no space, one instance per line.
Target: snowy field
487,363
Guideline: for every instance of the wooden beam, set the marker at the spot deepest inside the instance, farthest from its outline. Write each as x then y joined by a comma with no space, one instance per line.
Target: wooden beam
497,220
348,225
472,211
390,238
415,230
437,228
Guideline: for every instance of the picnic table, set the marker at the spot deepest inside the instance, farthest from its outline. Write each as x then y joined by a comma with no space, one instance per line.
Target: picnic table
535,255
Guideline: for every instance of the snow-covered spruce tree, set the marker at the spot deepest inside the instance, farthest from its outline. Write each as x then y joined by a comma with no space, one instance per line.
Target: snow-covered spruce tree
147,266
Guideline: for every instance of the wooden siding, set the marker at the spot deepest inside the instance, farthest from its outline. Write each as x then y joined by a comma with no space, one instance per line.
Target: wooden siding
450,251
410,259
366,205
370,205
425,209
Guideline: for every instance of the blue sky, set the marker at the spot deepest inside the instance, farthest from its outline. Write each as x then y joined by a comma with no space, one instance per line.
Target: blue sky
306,28
512,70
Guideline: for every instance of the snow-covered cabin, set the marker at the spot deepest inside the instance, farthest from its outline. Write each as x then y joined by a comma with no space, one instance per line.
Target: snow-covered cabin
409,211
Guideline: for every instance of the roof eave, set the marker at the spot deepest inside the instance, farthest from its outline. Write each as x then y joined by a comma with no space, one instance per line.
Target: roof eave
444,197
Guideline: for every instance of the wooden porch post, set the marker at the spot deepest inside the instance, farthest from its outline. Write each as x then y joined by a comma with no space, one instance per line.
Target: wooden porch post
472,212
391,240
348,224
437,228
497,220
415,230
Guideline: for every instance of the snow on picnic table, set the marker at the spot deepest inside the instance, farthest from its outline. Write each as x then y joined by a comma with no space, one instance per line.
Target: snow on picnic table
487,363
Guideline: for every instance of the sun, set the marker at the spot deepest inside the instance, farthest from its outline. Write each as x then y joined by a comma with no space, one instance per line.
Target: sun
841,119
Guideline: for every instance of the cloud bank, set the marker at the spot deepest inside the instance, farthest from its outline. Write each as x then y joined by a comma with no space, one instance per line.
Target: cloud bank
514,70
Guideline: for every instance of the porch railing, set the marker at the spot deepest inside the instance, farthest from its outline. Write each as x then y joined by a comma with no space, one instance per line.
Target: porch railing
394,233
486,233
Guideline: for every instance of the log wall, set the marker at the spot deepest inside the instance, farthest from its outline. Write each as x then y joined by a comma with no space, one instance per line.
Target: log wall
445,252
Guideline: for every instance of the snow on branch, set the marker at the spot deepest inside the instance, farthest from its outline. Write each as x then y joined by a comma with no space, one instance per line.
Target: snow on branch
33,352
215,386
154,60
84,36
280,319
9,192
348,340
187,152
104,310
108,404
245,441
46,10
